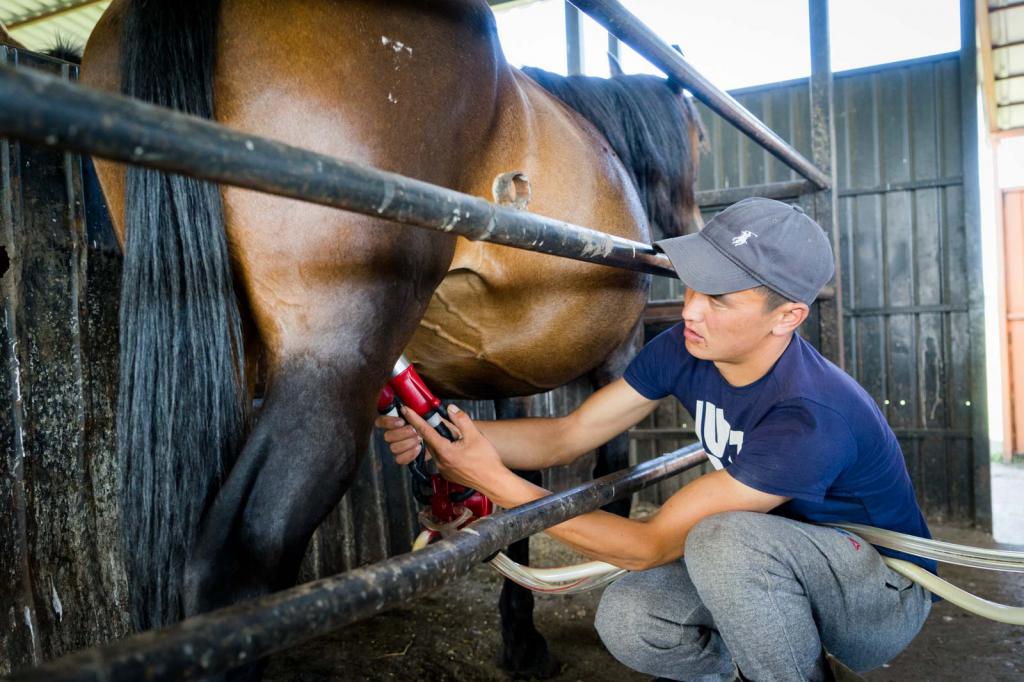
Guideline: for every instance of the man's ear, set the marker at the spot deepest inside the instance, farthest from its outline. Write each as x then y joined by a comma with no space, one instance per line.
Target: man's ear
792,316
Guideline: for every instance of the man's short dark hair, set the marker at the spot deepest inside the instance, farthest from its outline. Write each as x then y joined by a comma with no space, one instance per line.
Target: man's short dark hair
772,298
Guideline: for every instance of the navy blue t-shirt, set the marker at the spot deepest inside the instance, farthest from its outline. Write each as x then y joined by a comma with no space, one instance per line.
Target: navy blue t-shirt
805,430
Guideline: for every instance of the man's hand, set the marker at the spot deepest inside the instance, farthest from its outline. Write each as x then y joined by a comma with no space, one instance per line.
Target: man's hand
401,438
471,460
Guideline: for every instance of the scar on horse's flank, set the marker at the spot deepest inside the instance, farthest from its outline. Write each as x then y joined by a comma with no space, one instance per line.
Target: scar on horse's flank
512,189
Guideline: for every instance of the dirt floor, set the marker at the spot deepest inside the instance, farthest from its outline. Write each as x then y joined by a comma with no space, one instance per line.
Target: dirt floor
453,634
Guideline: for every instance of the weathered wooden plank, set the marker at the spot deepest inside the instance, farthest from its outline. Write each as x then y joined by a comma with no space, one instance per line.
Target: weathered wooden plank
18,643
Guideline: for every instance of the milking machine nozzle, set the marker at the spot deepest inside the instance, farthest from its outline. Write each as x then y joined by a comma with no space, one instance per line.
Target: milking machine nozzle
405,387
410,390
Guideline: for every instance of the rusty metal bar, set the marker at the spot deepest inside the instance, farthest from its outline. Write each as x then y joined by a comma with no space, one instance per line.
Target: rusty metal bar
787,189
47,111
217,641
630,30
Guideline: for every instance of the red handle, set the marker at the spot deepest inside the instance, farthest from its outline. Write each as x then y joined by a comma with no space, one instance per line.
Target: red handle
413,393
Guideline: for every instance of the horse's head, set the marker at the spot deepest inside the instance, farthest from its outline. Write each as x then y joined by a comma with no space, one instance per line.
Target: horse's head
655,130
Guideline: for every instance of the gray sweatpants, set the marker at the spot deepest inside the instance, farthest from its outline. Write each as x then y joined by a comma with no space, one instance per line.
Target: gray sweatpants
763,593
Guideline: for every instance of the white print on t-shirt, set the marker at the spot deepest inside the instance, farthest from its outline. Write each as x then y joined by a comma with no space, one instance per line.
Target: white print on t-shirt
715,433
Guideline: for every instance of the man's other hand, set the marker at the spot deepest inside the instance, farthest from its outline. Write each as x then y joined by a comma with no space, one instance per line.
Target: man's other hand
401,438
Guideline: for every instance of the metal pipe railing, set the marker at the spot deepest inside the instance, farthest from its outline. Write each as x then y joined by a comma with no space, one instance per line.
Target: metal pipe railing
51,112
630,30
219,640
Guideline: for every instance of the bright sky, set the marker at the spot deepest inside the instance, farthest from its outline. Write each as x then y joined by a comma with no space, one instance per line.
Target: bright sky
737,43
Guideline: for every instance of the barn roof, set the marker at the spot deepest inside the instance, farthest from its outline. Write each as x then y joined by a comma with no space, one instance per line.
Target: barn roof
1001,45
37,23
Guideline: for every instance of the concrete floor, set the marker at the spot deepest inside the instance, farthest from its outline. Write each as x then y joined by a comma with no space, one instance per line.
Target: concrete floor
1008,502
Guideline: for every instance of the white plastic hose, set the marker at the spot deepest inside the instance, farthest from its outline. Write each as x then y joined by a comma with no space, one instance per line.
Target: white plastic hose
561,580
594,574
946,552
1014,615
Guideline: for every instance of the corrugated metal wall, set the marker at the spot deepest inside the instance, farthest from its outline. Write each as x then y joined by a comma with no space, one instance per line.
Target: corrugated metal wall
906,269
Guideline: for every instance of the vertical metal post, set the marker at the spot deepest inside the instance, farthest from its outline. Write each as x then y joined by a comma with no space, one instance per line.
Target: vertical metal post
613,51
979,454
573,40
823,154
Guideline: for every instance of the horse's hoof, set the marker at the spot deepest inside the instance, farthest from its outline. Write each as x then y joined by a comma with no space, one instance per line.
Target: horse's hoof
531,662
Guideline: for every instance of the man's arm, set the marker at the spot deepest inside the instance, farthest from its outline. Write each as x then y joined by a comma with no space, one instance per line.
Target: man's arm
637,545
627,543
540,443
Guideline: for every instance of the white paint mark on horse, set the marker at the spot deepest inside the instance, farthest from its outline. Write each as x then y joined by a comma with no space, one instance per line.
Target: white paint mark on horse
396,45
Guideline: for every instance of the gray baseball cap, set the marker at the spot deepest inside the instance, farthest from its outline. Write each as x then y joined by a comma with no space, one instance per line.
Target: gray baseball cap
752,243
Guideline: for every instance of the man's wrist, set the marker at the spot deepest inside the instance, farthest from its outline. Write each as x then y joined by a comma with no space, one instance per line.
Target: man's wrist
508,490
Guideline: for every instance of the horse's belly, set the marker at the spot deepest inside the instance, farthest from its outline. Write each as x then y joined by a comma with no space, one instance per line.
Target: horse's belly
489,336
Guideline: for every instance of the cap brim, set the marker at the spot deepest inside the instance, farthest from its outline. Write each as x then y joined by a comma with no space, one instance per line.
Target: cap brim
703,268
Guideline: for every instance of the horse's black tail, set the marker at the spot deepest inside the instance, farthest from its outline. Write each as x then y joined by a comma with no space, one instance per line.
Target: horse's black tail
181,414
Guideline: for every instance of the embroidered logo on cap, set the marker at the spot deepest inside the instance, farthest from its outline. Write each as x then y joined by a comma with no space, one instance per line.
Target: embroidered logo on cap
742,239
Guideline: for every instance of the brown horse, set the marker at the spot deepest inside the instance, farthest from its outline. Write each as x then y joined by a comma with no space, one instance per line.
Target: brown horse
224,285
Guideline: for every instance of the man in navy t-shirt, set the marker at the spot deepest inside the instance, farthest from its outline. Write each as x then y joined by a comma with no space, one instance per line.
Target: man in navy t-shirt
761,589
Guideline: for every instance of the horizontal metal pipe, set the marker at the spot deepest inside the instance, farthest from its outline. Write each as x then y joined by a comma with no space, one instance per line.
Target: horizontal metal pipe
48,111
772,190
217,641
630,30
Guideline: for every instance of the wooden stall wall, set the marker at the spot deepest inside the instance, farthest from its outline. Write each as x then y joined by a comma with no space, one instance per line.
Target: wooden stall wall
62,585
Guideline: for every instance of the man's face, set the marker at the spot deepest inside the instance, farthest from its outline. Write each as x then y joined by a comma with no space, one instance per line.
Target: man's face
728,327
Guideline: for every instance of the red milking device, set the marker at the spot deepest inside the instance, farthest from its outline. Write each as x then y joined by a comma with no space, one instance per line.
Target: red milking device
451,506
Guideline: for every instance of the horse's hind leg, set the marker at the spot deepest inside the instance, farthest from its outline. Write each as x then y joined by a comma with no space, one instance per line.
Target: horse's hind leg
524,650
614,455
330,345
300,458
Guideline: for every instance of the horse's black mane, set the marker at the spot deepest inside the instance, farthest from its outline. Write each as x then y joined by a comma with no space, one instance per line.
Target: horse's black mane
647,122
66,48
